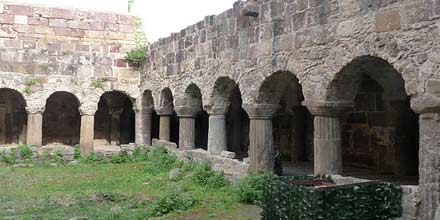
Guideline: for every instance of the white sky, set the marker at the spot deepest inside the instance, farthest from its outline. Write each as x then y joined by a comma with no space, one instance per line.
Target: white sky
163,17
160,17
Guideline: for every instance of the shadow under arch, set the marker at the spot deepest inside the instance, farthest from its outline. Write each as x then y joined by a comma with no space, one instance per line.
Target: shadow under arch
13,117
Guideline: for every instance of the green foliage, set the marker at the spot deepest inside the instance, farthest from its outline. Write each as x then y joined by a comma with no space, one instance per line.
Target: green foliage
98,83
130,4
26,153
171,201
77,152
205,176
122,157
250,189
93,159
28,86
160,161
135,56
10,159
57,157
282,201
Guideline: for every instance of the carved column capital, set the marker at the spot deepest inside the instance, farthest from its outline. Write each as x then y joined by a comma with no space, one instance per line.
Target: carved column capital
162,111
217,110
261,111
35,110
329,109
186,111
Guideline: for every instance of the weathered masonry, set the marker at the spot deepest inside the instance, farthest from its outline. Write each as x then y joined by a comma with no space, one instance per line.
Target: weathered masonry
345,87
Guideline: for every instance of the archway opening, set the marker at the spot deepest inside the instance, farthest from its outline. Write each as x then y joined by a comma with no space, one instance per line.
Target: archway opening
61,120
114,120
292,124
167,102
13,117
380,133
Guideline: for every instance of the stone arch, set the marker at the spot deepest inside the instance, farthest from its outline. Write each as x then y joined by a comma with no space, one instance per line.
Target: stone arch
61,119
13,117
292,123
380,133
150,120
115,119
166,98
226,96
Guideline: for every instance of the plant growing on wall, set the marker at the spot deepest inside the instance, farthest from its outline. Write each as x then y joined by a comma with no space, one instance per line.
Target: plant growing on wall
28,86
98,83
136,55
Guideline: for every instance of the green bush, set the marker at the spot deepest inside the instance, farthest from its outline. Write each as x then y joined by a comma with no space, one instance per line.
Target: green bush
11,158
376,201
122,157
77,152
138,155
26,153
57,157
93,158
171,201
159,161
205,176
250,189
135,56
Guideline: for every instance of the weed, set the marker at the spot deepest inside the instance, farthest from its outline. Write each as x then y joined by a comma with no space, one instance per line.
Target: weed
26,153
171,201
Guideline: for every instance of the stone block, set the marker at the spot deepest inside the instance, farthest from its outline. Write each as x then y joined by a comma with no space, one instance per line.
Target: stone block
105,17
62,13
38,21
76,24
387,21
20,28
124,19
10,43
20,19
20,10
126,28
54,46
111,27
227,154
57,22
82,48
6,19
96,26
29,44
120,63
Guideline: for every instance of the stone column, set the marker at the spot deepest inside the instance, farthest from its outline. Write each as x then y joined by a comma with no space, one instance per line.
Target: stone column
429,168
187,126
143,120
115,126
328,136
217,136
87,134
261,136
165,114
35,128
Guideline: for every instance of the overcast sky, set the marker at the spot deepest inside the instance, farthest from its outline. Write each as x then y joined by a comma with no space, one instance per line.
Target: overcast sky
160,17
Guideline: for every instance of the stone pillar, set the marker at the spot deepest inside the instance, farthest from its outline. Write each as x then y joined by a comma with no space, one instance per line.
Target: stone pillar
261,136
217,136
115,126
143,121
429,168
328,136
35,128
165,114
187,126
87,134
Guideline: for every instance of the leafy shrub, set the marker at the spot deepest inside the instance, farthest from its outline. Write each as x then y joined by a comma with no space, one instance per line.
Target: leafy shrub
93,158
171,201
283,201
57,157
122,157
77,152
26,153
138,155
11,158
205,176
135,56
159,161
250,189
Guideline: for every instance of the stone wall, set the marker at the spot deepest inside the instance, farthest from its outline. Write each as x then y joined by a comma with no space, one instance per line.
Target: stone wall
65,50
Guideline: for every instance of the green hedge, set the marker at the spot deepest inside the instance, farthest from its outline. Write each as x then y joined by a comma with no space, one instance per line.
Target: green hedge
282,201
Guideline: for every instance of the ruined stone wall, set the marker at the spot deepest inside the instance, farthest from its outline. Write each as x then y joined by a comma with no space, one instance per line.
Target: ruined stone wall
45,50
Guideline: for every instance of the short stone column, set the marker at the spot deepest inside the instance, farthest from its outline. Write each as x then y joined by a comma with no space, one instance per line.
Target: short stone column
217,139
87,134
429,180
35,128
327,136
143,120
261,136
165,114
115,126
187,126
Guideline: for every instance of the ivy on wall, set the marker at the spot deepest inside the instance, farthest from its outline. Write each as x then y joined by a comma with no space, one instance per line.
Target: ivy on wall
284,201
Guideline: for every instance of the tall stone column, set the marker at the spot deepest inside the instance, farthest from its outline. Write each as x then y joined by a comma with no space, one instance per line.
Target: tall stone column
115,126
35,128
165,114
429,168
87,134
261,136
143,120
328,136
217,136
187,127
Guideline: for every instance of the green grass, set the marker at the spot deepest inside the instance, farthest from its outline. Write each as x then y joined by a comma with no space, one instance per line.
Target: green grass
107,191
